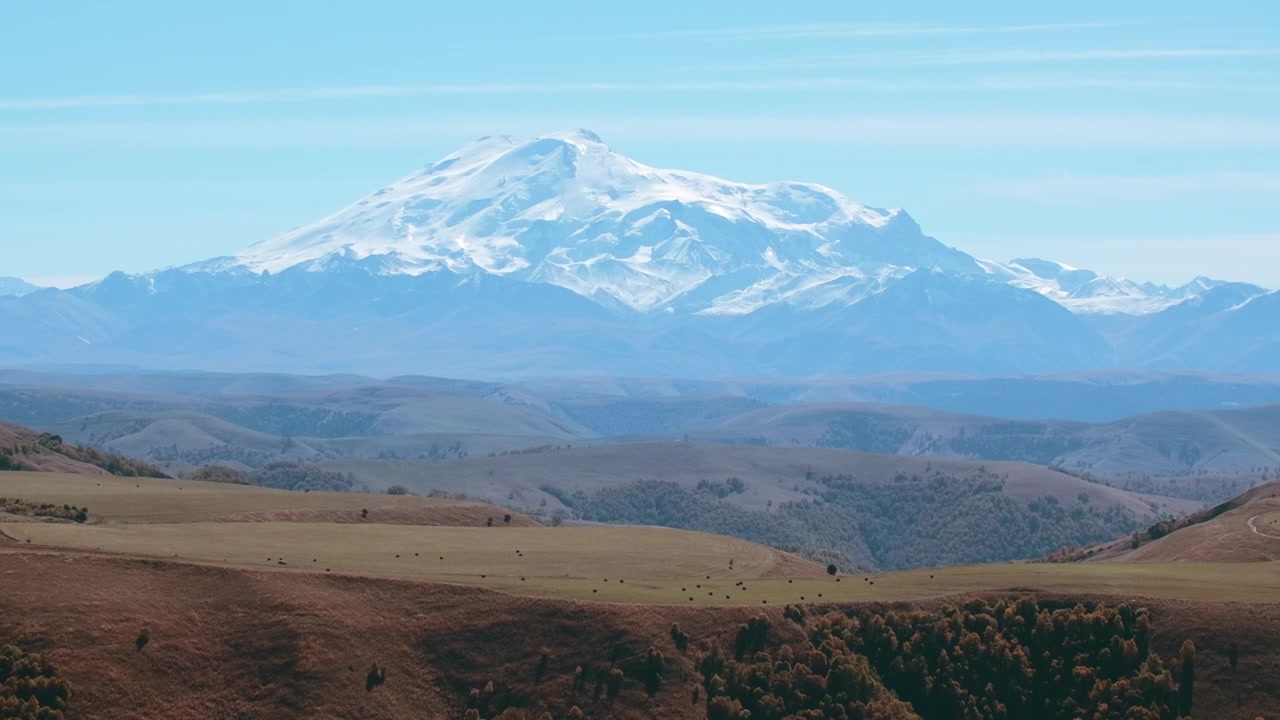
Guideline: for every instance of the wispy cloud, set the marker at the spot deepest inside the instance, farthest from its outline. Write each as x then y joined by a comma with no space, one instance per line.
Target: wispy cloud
1018,83
981,130
408,91
848,30
1075,188
1001,57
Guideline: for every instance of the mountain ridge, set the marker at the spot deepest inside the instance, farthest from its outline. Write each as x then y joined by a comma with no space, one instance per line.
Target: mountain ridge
559,257
567,210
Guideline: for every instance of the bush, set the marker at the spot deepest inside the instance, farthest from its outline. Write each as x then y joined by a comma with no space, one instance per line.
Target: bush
832,569
30,687
1010,659
218,474
376,676
652,671
794,613
613,685
679,637
398,490
293,476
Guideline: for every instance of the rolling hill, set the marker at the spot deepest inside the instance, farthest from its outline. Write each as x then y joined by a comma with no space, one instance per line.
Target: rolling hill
22,448
854,509
1245,529
257,602
181,421
1170,444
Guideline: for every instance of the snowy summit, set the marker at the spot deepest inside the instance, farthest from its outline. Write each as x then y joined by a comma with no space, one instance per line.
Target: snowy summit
567,210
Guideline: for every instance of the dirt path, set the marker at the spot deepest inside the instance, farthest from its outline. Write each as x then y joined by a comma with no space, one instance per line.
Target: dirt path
1255,529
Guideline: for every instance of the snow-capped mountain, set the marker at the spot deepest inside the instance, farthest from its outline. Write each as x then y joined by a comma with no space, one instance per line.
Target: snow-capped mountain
559,256
567,210
1087,292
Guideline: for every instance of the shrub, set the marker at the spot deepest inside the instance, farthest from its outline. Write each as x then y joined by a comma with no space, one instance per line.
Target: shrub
1011,659
375,677
653,671
1186,678
679,637
218,474
613,685
794,613
398,490
141,641
832,569
30,687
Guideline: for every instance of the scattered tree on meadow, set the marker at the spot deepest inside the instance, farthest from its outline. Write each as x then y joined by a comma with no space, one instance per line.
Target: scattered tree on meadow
1186,678
1012,659
30,688
543,662
679,637
614,683
653,671
376,676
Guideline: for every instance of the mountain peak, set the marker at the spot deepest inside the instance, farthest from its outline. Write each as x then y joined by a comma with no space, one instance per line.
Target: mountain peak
564,209
579,135
16,287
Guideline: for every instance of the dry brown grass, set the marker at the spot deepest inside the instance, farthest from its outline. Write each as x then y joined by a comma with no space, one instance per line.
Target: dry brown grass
144,500
239,643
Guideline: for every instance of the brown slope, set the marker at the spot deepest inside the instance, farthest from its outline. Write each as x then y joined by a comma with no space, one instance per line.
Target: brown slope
260,644
231,643
1243,529
772,474
20,445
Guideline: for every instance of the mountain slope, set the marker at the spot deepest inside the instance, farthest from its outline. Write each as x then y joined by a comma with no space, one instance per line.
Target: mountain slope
16,287
559,256
567,210
1163,444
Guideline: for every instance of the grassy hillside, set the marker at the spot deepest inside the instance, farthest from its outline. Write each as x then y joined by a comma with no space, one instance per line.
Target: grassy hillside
26,449
1245,529
267,603
140,500
1226,442
247,421
867,510
228,642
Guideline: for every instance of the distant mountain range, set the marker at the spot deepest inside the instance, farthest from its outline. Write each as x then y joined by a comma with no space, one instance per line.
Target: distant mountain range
558,256
181,420
16,287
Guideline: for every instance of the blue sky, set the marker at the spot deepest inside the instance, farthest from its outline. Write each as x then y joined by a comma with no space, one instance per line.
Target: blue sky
1134,138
